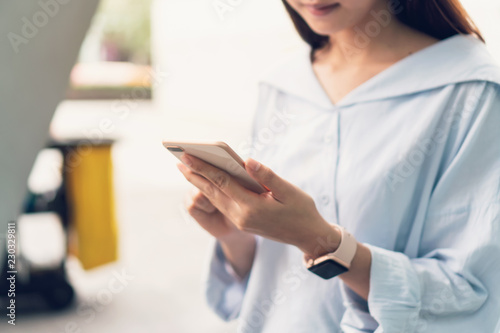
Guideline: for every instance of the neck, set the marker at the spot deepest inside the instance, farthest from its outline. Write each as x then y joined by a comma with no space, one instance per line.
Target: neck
378,37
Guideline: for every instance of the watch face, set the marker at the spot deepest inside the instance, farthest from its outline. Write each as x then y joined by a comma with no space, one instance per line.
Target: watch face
328,269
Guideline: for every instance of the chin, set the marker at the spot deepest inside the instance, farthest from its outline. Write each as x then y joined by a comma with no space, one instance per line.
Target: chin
325,29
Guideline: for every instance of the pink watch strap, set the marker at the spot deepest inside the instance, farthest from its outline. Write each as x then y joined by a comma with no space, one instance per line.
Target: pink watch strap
344,253
347,247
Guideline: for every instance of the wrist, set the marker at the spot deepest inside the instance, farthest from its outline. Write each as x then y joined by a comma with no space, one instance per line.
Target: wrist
239,251
234,238
326,240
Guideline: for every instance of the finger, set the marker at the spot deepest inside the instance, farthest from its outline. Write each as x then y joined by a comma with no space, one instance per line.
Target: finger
197,213
200,215
279,187
200,201
209,222
216,197
219,178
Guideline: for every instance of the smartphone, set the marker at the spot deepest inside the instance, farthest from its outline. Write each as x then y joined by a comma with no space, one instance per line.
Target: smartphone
220,155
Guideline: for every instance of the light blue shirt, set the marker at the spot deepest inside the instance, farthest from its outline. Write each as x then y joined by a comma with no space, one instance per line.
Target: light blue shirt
409,163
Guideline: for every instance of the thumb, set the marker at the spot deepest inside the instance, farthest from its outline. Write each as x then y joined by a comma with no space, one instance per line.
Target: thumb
279,187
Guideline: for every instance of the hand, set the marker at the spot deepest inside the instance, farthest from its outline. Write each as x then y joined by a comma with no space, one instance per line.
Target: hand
238,246
285,214
209,217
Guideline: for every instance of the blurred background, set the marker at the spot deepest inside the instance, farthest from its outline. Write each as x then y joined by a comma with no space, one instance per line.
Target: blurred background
151,70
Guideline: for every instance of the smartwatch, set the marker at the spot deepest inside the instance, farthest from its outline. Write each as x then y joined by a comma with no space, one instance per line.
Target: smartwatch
335,263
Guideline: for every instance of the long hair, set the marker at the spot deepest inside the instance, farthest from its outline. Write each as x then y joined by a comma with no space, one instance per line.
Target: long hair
438,18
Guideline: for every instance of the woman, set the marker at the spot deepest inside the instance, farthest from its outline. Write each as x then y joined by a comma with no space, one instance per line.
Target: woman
389,128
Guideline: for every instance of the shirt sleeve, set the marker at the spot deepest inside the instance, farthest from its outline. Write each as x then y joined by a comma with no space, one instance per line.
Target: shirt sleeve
452,285
224,290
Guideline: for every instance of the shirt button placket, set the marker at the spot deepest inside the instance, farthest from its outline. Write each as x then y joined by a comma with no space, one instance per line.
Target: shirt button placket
326,199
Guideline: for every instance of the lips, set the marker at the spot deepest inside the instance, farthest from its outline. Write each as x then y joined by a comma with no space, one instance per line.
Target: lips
322,10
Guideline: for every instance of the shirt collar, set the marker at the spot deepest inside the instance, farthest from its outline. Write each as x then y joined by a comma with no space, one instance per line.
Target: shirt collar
460,58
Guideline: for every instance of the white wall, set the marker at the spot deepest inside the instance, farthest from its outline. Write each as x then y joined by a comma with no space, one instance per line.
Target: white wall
486,14
214,63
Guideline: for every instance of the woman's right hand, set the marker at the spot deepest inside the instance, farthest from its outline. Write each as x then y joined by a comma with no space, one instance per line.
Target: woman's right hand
238,246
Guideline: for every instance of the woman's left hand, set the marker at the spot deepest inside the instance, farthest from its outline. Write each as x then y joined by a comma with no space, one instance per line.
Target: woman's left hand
285,214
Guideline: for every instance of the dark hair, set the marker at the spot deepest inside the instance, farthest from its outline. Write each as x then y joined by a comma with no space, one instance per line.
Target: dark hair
438,18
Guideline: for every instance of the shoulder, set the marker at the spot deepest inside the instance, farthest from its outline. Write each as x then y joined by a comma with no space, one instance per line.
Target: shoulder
468,59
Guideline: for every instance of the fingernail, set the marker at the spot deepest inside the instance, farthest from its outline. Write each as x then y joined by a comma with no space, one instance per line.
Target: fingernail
182,167
186,160
253,164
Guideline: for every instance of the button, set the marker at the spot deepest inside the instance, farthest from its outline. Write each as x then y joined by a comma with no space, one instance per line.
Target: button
325,200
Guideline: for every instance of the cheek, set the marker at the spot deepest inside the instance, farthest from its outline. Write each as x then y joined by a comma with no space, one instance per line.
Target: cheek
356,11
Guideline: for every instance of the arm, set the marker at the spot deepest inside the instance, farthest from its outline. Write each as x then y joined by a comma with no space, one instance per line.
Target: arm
462,251
224,289
231,258
239,250
401,292
453,282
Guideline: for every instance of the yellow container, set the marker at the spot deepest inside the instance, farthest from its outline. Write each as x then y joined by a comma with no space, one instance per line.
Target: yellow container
88,174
